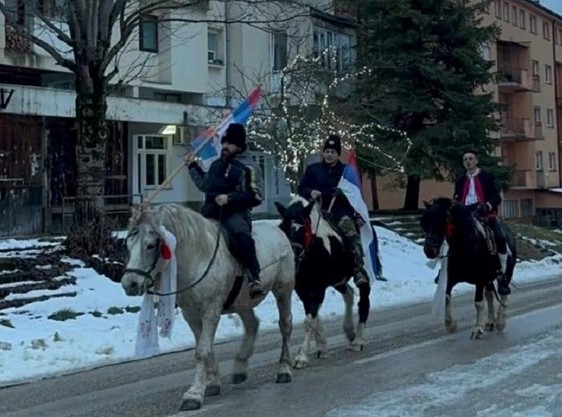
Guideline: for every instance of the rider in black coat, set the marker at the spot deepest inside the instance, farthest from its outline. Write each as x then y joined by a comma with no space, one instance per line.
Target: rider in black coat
321,180
233,184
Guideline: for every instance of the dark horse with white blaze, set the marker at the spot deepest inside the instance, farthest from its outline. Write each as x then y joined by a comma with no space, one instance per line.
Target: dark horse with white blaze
471,259
322,261
207,274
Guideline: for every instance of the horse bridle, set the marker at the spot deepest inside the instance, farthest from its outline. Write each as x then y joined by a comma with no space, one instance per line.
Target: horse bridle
146,274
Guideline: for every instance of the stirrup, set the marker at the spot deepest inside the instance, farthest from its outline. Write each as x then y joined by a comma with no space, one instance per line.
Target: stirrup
256,288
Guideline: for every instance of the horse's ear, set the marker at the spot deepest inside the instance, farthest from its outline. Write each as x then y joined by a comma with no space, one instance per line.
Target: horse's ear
426,203
135,215
281,208
308,209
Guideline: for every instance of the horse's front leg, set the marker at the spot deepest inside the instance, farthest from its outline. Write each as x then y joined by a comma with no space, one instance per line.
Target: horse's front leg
478,329
347,293
450,322
204,361
489,294
363,307
312,302
251,325
502,313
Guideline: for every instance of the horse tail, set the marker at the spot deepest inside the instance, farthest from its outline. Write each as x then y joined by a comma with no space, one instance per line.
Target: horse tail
378,261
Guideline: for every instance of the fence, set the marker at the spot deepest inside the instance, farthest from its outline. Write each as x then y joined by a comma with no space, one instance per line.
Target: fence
21,209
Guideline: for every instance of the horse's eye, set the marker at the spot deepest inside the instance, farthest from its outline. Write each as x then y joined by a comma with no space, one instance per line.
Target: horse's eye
150,246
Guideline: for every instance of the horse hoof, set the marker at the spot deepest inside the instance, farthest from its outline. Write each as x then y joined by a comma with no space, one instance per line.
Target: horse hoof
213,390
284,378
320,354
239,378
490,327
300,364
190,405
357,348
451,326
500,327
477,334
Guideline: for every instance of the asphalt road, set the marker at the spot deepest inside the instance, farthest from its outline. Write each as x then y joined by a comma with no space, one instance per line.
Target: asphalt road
403,347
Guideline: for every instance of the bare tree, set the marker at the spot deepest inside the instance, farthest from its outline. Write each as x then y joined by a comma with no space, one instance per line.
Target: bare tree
91,34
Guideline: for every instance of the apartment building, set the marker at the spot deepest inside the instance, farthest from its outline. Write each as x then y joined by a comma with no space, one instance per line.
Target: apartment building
528,60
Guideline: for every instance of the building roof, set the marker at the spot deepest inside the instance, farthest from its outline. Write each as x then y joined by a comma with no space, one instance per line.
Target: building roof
538,5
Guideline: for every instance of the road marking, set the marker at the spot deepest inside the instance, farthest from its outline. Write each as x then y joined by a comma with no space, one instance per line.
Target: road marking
204,408
401,350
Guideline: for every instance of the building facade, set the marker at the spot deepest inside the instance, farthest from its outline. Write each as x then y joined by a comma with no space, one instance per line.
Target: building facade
180,78
528,62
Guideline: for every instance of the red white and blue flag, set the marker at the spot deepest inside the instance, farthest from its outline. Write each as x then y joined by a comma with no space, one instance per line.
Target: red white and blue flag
211,138
350,184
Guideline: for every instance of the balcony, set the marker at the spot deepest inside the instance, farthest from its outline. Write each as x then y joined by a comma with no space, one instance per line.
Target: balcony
518,130
559,94
522,179
514,80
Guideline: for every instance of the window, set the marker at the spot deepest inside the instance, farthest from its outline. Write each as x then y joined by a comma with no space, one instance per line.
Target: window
552,161
152,160
52,8
546,30
506,11
487,7
333,49
559,37
485,51
279,51
538,160
514,15
535,67
213,47
526,207
148,34
522,19
509,209
550,117
537,114
498,9
533,23
547,74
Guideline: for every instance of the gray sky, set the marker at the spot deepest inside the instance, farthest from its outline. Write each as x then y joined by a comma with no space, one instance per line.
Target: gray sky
554,5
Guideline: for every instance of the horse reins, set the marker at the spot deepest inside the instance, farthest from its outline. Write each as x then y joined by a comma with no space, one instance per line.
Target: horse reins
193,284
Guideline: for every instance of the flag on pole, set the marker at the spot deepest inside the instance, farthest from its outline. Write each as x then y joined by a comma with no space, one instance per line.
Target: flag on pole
211,138
351,187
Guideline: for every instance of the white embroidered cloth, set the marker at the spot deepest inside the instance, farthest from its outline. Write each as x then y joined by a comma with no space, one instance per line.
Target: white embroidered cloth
149,323
438,306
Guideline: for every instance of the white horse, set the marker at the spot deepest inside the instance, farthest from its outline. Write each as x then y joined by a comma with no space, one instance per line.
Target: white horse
206,273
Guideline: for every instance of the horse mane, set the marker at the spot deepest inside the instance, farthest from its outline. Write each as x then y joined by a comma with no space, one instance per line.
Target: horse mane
315,214
184,223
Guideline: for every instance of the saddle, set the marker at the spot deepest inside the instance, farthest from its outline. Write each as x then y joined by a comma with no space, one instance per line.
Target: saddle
486,232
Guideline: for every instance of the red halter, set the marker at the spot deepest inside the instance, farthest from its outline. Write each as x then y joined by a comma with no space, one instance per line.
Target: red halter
308,235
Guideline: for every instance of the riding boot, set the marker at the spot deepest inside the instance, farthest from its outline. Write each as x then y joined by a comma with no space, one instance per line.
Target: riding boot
254,282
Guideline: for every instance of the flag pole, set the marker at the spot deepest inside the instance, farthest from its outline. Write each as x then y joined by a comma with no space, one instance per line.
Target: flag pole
178,169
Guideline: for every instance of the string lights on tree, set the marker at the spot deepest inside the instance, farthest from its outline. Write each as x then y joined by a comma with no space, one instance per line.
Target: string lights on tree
308,106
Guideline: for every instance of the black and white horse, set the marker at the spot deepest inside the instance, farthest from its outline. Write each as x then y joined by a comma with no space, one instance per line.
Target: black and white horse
469,260
322,262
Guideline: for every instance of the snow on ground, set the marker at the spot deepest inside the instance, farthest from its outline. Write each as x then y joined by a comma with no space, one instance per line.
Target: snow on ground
105,330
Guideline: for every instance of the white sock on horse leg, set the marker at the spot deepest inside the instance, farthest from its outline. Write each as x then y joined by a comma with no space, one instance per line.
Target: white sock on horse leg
503,261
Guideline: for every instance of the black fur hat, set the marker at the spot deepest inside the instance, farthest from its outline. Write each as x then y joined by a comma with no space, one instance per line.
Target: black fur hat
236,135
333,142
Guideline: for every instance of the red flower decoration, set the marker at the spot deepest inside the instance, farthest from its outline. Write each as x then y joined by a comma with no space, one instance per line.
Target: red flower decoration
166,252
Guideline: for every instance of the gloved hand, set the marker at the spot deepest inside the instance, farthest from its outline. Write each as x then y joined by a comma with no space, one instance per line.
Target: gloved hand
338,192
481,210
